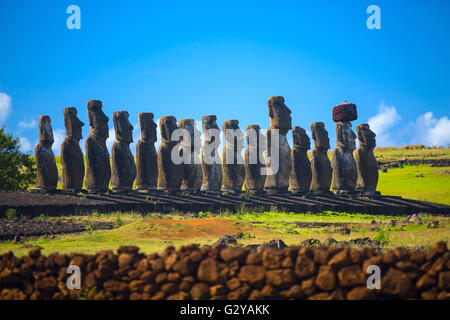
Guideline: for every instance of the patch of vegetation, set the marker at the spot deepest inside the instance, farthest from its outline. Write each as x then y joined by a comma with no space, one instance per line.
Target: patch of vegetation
382,236
17,169
119,221
11,213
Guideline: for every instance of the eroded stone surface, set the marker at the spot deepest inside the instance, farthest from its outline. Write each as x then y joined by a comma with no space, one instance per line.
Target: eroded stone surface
254,159
72,159
211,164
98,167
146,156
344,165
279,168
366,163
46,170
320,164
123,167
190,150
233,171
170,174
300,180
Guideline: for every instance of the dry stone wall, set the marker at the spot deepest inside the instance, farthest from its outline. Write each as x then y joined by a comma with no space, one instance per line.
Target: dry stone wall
230,273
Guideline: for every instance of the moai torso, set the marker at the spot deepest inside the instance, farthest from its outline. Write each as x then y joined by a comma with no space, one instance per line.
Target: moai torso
170,174
233,171
46,170
146,156
190,147
72,158
279,167
211,165
321,172
98,167
123,168
301,175
366,163
253,158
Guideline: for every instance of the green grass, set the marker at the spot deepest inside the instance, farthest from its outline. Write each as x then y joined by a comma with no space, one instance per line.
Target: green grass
154,235
434,186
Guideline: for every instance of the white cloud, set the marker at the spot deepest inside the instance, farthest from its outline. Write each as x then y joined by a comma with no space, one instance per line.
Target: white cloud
59,136
24,124
431,131
5,107
384,120
25,144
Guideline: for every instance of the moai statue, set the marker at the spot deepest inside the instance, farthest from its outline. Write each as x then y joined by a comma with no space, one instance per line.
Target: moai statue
72,158
146,157
320,164
190,151
233,171
46,170
254,159
344,165
279,161
366,163
123,167
170,174
98,167
301,166
211,165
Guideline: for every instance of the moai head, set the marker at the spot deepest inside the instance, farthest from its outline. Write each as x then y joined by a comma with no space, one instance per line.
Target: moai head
98,121
280,114
208,123
167,125
232,127
300,139
320,136
195,134
345,135
123,127
366,136
72,124
253,142
45,131
148,127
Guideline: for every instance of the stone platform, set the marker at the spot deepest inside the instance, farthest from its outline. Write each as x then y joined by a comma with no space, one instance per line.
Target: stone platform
35,204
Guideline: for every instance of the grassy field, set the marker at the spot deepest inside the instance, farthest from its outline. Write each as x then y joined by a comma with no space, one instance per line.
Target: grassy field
417,182
152,233
400,153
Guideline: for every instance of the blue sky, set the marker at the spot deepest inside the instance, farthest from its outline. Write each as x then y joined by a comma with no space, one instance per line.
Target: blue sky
192,58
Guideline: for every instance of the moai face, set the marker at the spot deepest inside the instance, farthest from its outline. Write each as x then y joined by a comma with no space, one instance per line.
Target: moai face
72,124
148,127
209,123
45,131
345,135
98,121
320,136
366,136
253,142
123,127
167,125
232,127
300,138
194,133
280,114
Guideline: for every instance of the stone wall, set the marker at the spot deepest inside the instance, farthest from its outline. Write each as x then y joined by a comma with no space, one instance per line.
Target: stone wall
230,273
